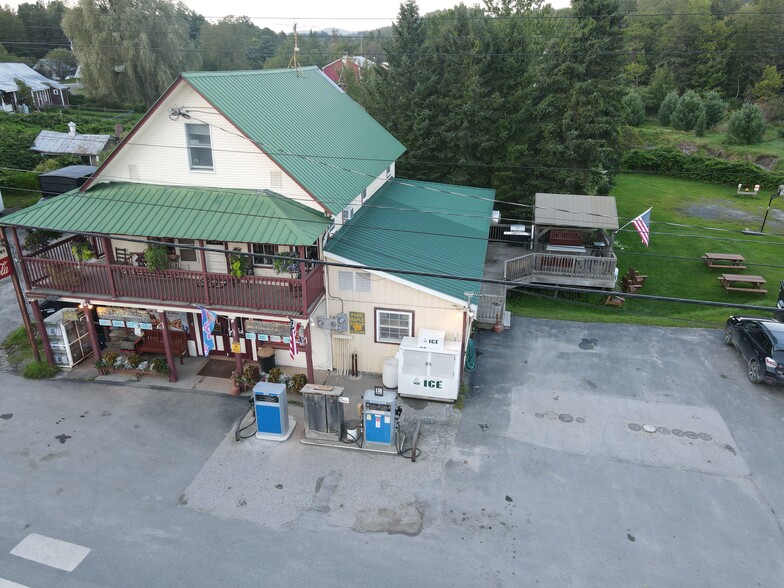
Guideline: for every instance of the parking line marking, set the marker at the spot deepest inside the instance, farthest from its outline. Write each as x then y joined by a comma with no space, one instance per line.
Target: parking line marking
10,584
51,552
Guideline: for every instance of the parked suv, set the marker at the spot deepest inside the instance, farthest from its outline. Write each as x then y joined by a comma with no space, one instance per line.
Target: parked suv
761,343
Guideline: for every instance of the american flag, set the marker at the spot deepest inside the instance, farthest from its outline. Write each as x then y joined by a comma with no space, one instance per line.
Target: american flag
643,225
293,336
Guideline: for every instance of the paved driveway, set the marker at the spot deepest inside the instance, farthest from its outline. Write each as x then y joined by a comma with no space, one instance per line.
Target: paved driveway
539,481
550,424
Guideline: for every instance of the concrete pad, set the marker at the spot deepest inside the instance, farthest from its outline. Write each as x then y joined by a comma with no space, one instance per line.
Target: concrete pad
693,438
51,552
10,584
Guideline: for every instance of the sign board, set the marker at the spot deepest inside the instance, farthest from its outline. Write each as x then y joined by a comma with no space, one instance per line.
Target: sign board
70,314
356,322
236,347
269,328
6,267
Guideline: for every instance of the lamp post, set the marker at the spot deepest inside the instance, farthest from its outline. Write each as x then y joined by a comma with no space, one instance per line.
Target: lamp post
778,193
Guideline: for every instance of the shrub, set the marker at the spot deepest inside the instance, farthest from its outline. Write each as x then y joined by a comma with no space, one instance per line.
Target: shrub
82,250
633,109
697,167
239,264
773,109
109,358
134,360
159,366
251,375
747,125
297,382
662,82
667,108
156,257
701,125
688,111
274,375
38,370
715,108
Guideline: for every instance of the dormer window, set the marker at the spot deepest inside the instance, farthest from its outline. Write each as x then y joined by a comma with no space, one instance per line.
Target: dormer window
199,146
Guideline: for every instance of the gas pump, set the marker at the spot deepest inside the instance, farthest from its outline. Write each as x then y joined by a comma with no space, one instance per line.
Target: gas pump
381,416
272,415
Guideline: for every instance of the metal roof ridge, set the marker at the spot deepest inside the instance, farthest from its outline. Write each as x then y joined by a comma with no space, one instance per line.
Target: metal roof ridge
243,72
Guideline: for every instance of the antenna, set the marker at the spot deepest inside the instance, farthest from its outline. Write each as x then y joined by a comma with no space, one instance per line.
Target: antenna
294,63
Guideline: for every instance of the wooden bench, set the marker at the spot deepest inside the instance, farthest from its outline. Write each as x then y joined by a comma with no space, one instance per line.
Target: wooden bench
731,261
752,290
629,286
614,300
152,342
755,283
636,278
564,237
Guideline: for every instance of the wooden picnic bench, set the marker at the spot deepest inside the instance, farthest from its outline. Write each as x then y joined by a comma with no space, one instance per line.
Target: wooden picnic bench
754,284
724,261
152,342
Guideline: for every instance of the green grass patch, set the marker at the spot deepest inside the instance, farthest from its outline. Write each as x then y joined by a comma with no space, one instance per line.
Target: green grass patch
673,260
39,370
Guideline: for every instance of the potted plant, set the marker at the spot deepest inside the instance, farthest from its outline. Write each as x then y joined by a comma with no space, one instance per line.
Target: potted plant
39,238
239,263
297,382
156,258
82,250
286,264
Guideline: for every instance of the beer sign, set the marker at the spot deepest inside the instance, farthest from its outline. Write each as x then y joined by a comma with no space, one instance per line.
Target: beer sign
6,265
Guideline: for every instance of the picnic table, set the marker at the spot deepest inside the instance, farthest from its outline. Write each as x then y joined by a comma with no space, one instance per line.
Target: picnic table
743,283
724,260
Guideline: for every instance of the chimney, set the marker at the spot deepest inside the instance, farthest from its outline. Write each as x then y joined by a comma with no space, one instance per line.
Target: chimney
72,129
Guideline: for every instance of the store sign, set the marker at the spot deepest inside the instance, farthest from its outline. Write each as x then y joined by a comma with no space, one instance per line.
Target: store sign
6,267
236,347
356,322
269,328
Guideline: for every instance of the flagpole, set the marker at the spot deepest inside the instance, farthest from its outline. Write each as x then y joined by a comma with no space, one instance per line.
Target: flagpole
635,218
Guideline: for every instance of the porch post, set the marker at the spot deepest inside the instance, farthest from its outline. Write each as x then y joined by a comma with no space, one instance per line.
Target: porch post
20,253
309,355
19,297
203,252
235,338
47,345
88,315
303,281
108,259
167,346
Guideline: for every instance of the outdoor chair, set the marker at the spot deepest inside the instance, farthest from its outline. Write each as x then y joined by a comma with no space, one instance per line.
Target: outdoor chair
121,256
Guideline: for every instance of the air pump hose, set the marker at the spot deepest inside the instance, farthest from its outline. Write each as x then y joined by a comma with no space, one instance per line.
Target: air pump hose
470,363
239,431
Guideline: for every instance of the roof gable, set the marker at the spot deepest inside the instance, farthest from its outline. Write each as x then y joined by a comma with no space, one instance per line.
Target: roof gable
306,124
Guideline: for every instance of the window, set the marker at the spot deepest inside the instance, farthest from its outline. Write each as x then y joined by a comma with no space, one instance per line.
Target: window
364,196
261,251
347,213
199,146
187,254
276,179
392,325
353,281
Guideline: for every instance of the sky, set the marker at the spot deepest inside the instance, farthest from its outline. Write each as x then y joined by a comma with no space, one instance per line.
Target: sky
349,15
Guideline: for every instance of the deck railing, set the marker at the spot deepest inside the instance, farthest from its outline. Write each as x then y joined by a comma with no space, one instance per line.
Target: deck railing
567,266
124,281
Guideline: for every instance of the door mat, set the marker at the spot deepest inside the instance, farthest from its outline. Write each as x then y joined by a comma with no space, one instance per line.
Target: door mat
217,368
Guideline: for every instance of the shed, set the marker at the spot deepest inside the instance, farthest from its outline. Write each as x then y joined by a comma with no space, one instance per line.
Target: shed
64,179
574,220
88,147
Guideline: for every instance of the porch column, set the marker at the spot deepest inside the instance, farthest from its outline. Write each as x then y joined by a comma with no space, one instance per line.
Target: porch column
47,345
19,297
108,259
235,338
88,315
167,346
309,355
203,252
303,281
20,253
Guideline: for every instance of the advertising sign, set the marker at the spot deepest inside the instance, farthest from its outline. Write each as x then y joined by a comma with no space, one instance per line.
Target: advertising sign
356,322
6,267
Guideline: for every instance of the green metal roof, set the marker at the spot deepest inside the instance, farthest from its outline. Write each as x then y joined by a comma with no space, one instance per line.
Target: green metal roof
320,136
420,226
243,216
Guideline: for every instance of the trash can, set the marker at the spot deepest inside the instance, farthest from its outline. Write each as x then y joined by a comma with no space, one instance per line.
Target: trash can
266,355
389,373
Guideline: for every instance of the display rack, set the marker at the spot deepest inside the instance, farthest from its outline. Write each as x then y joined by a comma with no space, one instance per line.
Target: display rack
68,336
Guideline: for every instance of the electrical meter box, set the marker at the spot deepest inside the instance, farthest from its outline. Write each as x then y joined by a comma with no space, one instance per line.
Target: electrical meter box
379,416
272,411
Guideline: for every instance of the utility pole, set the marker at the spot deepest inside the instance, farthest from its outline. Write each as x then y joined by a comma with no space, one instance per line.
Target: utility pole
778,193
294,62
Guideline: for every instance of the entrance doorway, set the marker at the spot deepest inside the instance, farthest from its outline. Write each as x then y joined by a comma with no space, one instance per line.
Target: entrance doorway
215,258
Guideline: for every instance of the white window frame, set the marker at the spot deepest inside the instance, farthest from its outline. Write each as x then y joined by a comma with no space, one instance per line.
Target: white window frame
187,252
409,332
347,213
194,147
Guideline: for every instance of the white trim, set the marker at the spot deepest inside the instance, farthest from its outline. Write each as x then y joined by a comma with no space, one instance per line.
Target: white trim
358,266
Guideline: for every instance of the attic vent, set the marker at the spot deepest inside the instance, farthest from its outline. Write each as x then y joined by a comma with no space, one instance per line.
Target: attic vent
276,179
362,281
133,171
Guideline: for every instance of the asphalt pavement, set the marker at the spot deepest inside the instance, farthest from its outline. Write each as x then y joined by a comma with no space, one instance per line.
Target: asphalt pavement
547,477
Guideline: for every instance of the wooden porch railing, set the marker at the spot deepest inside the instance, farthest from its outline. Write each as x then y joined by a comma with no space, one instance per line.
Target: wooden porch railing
92,279
573,266
489,307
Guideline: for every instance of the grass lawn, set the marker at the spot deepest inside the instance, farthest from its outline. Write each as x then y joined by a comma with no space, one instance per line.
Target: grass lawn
673,261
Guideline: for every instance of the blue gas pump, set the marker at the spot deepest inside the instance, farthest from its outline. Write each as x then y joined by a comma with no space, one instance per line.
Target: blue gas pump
272,411
379,410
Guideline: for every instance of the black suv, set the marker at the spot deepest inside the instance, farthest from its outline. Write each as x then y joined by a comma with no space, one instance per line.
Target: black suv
761,342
